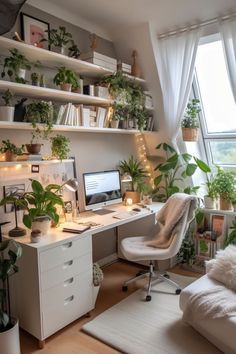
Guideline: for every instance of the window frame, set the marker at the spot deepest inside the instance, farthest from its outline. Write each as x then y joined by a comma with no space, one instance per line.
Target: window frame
206,136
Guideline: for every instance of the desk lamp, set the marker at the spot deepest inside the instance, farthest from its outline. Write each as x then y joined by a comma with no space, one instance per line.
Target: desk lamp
17,231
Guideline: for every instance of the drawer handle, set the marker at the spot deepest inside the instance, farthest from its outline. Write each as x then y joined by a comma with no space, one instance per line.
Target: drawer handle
67,264
68,282
67,245
68,300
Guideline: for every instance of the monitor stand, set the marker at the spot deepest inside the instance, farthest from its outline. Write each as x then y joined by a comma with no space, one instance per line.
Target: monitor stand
103,211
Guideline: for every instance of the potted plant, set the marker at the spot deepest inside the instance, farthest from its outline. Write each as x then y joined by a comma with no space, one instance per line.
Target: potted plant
225,187
66,79
74,51
97,280
134,169
233,201
40,205
35,79
15,66
119,112
190,123
11,150
60,147
40,115
210,197
7,111
231,237
174,172
58,38
10,252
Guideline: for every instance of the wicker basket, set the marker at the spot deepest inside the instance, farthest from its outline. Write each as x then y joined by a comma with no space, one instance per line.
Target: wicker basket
190,134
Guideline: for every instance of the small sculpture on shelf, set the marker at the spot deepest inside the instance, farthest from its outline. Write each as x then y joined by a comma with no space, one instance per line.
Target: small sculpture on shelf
135,68
93,41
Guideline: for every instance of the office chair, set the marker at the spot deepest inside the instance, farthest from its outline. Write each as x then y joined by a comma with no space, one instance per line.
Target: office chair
172,223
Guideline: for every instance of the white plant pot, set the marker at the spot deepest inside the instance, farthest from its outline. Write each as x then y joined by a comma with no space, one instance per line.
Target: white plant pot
95,293
7,113
209,202
9,340
21,73
114,124
42,224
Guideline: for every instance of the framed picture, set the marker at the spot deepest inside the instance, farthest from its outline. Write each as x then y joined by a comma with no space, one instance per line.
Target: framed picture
218,225
33,30
15,190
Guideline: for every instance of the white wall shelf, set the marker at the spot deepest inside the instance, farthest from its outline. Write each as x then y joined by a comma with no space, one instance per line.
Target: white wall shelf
68,128
51,94
33,162
52,59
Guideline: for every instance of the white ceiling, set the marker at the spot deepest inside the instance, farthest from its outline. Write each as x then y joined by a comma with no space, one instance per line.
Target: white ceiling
108,16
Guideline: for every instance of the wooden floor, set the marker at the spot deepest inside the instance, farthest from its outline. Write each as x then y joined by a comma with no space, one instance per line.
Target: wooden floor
71,340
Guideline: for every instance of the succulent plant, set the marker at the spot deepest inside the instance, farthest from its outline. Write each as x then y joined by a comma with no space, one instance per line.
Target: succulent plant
97,274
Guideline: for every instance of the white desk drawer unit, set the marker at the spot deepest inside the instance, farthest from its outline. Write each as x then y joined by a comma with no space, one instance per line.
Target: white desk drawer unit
66,302
56,288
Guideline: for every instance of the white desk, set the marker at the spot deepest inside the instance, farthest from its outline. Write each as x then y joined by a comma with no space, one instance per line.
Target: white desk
54,285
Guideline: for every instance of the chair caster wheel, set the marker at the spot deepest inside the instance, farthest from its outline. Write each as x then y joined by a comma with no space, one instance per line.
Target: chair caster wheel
178,291
125,288
166,276
148,298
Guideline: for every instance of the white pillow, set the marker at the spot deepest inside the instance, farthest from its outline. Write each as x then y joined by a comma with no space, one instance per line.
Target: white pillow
223,267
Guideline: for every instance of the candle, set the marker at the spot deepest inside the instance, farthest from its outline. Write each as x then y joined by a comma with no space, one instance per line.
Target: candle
129,201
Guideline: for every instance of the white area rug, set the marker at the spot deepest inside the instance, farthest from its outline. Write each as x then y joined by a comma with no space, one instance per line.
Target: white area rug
135,326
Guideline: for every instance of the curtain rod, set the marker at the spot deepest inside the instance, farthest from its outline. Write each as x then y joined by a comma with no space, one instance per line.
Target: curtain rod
201,24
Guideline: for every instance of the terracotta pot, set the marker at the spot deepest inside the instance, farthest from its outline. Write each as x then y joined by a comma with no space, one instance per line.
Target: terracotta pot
225,204
66,87
190,134
9,156
33,148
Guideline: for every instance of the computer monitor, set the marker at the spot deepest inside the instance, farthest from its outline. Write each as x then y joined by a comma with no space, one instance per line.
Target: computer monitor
101,189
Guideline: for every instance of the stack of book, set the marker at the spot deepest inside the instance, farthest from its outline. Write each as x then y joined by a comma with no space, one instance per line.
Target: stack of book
99,59
101,91
125,68
81,115
148,100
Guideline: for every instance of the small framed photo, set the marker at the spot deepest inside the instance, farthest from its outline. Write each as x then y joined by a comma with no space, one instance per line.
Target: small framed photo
218,225
33,30
14,190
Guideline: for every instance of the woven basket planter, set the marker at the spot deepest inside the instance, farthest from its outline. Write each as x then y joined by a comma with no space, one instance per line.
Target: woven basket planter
190,134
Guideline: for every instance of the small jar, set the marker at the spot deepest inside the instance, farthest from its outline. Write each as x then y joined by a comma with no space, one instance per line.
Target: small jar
35,236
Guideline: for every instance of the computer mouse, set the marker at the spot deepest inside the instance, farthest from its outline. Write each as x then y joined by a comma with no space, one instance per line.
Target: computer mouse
136,209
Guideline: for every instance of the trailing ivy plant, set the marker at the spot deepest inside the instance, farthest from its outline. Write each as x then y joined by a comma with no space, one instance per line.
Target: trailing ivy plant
60,147
174,172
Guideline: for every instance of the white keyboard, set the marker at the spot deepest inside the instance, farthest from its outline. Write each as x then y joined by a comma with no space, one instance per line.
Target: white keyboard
125,214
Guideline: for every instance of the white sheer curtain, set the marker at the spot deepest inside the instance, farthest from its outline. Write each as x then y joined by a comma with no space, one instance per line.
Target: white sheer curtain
228,35
176,60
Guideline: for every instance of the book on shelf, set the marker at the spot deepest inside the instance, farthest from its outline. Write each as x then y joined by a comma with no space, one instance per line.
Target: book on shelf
88,90
150,123
34,157
101,115
125,68
85,117
95,55
101,91
102,63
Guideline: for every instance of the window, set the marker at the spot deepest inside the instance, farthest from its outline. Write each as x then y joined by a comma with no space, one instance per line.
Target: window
218,116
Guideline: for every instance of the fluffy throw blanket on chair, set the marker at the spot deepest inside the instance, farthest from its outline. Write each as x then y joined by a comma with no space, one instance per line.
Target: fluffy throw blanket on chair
178,209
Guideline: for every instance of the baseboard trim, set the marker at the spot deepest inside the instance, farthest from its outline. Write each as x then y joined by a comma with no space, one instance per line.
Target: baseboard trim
108,260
